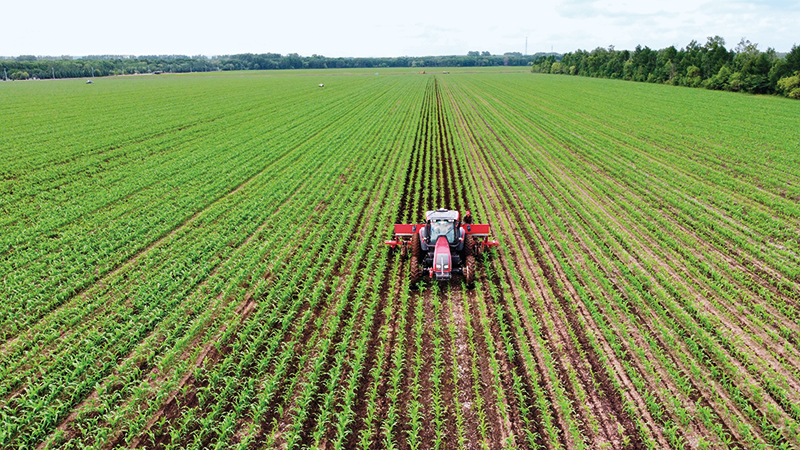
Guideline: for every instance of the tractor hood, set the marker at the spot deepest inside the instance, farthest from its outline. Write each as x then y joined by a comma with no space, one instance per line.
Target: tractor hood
442,263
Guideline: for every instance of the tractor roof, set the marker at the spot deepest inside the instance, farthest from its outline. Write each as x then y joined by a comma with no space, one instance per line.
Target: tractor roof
441,214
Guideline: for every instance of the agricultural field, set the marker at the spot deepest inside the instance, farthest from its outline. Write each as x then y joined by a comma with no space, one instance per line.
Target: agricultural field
198,262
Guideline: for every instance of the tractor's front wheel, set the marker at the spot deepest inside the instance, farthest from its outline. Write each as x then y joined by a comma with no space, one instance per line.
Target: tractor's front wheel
469,270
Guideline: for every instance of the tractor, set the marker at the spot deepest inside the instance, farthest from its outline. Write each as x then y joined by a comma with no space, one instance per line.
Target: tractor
442,246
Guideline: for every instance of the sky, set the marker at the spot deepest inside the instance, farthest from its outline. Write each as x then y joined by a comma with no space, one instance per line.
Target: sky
388,28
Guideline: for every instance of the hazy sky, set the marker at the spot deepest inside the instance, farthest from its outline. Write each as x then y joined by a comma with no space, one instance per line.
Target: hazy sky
389,28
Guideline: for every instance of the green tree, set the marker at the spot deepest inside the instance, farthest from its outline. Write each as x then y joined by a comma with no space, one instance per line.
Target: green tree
721,80
790,86
715,56
793,59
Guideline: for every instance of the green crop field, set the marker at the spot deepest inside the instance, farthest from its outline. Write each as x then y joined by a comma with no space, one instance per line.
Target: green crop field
197,261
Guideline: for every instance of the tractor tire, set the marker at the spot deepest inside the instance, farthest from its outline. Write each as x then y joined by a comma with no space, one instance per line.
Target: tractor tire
469,270
416,247
415,271
469,246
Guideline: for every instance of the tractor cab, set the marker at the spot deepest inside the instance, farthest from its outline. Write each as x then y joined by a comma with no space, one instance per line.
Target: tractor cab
441,222
442,240
446,228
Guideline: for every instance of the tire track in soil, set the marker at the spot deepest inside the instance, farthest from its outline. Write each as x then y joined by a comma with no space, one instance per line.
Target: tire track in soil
613,402
406,212
384,402
537,353
446,195
462,362
404,404
514,428
499,430
448,395
518,363
405,209
409,191
558,338
427,435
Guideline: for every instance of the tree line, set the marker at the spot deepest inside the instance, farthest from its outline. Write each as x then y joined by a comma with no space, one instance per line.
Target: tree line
27,66
744,68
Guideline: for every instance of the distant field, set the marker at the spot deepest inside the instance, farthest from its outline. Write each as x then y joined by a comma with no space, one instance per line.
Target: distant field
197,261
369,71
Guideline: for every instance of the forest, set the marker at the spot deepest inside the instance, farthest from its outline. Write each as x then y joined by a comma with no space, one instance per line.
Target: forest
744,68
29,66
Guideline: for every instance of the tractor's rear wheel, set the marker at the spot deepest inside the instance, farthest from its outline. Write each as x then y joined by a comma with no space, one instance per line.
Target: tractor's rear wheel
469,245
416,247
415,271
469,270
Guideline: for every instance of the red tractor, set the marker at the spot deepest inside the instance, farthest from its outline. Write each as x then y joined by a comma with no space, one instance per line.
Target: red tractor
443,245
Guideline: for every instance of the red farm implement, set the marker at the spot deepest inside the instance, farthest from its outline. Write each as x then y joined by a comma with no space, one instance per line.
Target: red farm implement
443,245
